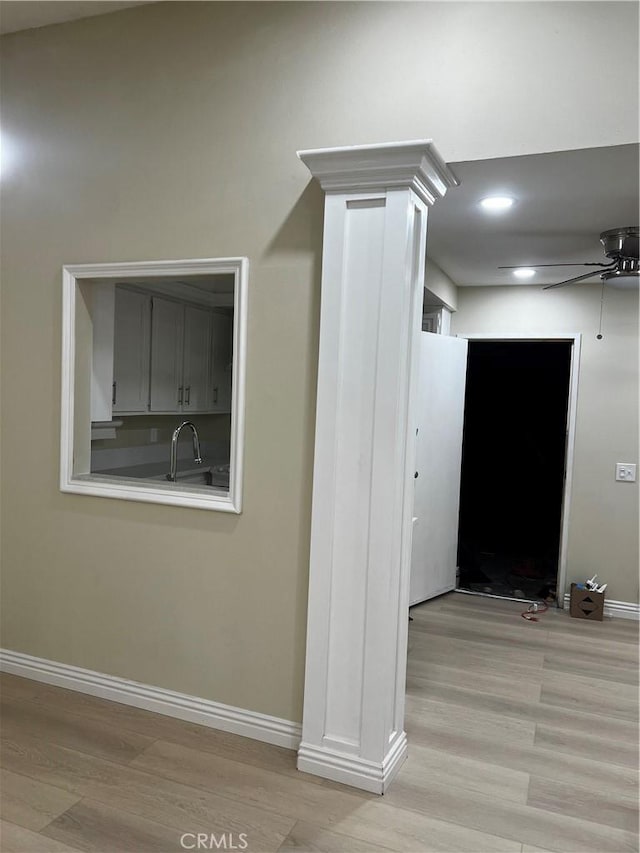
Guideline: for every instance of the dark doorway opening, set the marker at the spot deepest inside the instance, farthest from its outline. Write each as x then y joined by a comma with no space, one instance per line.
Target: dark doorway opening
513,467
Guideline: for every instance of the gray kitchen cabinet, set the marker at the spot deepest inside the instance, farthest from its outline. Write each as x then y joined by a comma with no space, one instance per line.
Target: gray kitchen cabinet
190,359
196,374
167,341
131,342
221,362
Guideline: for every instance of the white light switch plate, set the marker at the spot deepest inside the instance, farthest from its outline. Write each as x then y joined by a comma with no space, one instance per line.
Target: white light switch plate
626,472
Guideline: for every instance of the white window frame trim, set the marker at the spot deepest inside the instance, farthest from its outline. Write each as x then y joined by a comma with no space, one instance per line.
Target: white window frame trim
160,493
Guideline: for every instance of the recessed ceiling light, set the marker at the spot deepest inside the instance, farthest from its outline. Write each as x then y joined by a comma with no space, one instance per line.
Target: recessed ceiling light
524,272
496,203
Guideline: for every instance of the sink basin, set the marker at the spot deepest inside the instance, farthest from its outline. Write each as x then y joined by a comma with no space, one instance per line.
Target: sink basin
206,477
210,476
201,477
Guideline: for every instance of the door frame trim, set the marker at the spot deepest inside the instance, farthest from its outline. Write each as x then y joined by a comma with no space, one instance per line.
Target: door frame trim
575,340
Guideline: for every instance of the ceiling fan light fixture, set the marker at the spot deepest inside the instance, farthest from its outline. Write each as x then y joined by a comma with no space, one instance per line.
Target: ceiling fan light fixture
496,203
622,280
524,272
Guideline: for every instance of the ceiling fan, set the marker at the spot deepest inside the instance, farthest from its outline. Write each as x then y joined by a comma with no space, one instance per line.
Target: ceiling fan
622,270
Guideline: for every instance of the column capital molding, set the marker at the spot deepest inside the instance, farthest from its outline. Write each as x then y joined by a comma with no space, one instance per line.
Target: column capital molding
392,165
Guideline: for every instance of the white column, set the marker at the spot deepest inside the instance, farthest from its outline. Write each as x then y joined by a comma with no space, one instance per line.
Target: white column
372,281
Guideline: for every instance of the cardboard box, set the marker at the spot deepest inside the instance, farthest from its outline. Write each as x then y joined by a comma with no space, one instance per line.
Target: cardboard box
585,604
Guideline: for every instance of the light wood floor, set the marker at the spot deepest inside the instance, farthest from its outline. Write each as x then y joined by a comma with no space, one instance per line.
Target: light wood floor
523,737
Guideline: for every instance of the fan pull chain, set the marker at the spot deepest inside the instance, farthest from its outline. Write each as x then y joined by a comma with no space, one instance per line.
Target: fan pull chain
599,335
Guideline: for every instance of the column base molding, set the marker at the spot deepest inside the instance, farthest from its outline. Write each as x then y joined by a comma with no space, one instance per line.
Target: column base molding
351,769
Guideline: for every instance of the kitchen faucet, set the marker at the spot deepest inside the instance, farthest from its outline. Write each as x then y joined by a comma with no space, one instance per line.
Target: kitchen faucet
171,476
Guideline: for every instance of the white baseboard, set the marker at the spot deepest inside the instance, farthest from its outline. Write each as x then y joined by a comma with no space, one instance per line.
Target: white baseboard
352,770
180,705
620,609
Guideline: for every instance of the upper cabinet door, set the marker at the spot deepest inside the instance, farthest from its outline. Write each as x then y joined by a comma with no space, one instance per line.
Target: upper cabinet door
221,358
170,357
198,394
167,387
131,352
102,317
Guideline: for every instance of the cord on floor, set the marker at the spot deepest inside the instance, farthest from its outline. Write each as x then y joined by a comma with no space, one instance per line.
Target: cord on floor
533,609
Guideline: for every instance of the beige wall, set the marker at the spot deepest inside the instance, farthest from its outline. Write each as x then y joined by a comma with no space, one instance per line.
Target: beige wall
603,533
170,131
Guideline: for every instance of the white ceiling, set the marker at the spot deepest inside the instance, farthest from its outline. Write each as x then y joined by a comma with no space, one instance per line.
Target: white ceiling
26,14
564,200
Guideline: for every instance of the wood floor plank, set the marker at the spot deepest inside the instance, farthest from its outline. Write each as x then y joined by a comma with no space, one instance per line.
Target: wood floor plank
299,798
147,795
512,749
559,628
17,839
475,608
471,659
459,719
125,717
12,686
307,838
598,749
29,803
525,758
423,642
92,826
496,623
559,757
410,831
504,622
585,803
590,694
509,819
425,765
423,674
620,630
592,649
71,705
519,711
621,671
555,620
240,749
407,832
523,634
76,732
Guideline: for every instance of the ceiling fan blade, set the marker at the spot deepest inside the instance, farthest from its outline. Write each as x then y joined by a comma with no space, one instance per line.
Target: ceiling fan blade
572,280
577,264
